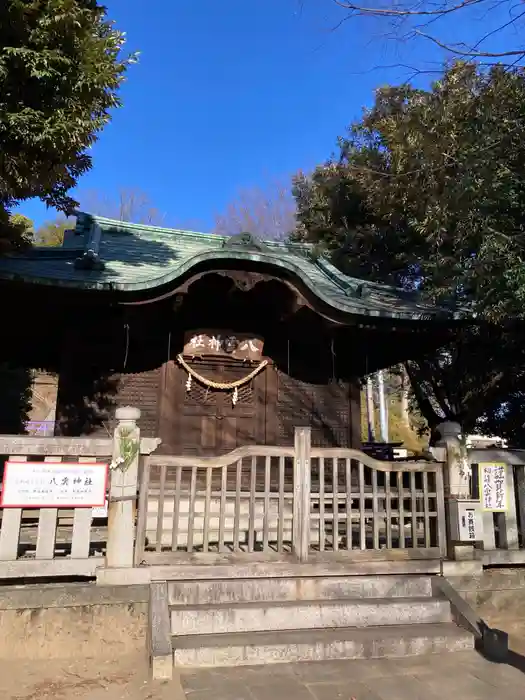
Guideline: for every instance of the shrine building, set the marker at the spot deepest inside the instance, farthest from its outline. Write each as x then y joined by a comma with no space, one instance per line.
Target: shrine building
220,341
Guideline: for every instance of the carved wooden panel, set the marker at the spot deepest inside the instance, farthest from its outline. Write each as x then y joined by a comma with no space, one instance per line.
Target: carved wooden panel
327,409
201,395
142,391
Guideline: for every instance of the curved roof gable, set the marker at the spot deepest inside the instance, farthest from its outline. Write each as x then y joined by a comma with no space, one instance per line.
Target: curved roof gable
103,254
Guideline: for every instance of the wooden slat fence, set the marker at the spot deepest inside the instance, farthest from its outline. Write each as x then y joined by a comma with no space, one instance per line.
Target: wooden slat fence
47,542
359,503
273,502
238,503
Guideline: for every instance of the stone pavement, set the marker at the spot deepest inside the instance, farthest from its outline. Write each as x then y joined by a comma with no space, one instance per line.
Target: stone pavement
465,675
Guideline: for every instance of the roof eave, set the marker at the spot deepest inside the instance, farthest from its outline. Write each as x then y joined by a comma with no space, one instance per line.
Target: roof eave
267,258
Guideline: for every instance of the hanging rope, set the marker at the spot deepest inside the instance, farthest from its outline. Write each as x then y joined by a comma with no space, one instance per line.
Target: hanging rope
222,386
126,352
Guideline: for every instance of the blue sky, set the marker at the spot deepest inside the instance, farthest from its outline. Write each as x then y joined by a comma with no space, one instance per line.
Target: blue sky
234,94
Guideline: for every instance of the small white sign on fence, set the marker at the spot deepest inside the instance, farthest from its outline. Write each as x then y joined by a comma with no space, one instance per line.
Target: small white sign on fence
101,512
54,485
493,485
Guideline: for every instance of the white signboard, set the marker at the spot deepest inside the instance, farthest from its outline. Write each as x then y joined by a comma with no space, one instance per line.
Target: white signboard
54,485
471,524
493,485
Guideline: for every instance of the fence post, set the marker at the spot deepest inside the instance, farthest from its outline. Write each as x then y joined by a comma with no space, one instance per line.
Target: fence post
456,477
123,490
457,468
301,500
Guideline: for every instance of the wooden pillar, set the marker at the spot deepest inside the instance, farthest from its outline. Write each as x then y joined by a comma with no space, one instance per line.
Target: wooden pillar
302,487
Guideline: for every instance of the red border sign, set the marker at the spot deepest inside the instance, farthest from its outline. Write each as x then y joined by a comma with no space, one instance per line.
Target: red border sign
55,504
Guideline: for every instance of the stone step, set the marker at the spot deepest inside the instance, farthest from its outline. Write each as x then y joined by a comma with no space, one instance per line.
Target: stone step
307,615
319,645
214,592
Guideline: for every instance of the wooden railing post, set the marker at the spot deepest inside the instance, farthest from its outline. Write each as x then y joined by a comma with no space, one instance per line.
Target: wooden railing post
123,491
301,503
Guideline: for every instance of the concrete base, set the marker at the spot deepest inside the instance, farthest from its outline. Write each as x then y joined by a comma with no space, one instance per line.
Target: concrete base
162,668
501,557
139,575
159,636
462,568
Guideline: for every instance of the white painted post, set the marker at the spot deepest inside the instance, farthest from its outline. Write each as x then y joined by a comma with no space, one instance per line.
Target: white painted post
302,486
123,491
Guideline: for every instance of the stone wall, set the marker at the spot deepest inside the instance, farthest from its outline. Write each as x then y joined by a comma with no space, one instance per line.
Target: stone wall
494,594
64,621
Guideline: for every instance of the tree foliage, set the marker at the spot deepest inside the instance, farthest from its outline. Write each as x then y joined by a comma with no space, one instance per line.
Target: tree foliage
51,233
20,227
428,192
61,66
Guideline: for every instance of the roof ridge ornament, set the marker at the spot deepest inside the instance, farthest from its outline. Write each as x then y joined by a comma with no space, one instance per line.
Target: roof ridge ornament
361,291
245,240
90,259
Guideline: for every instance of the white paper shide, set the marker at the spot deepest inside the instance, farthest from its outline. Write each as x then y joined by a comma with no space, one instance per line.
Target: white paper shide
54,485
493,485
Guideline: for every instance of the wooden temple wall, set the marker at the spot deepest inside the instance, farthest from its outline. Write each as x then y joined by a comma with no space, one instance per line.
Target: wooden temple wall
267,414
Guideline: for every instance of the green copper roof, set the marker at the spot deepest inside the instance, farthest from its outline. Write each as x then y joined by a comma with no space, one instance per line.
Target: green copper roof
103,254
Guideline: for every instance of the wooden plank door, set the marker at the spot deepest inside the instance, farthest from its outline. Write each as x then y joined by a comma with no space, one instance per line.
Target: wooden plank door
242,423
203,421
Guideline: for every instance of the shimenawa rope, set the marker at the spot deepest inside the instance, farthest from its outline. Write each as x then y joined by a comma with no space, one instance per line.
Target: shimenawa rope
223,386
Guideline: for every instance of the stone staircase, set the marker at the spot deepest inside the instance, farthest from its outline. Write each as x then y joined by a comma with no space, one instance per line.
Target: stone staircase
230,622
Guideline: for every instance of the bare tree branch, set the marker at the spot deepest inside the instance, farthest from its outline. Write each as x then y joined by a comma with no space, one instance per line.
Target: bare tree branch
131,204
419,15
267,212
469,53
393,12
